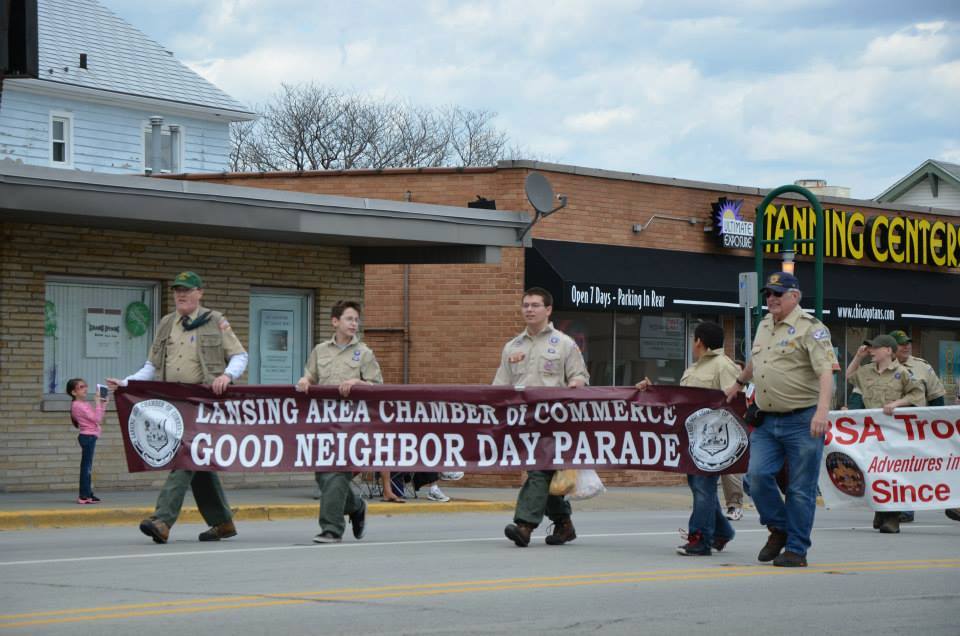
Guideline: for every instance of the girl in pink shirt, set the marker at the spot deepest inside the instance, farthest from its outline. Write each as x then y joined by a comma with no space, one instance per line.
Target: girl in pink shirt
87,419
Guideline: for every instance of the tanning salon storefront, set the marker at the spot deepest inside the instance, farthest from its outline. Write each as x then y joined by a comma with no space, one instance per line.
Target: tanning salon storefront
633,310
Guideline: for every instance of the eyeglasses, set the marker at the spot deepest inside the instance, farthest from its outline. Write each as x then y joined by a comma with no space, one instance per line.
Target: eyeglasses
532,305
769,292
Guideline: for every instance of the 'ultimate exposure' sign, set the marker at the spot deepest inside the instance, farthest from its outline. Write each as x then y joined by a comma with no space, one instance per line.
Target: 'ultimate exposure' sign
429,428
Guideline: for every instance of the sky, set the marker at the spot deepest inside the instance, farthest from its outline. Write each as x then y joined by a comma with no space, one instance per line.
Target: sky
743,92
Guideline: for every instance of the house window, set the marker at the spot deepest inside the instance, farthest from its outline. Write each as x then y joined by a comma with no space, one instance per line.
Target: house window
170,149
61,130
95,329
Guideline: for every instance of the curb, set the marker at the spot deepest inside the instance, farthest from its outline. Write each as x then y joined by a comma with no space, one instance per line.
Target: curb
73,518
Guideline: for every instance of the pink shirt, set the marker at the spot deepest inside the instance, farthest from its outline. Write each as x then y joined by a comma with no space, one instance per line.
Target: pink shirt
88,417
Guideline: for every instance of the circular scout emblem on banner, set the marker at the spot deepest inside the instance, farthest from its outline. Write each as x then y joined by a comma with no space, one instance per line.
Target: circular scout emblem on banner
155,429
846,475
716,439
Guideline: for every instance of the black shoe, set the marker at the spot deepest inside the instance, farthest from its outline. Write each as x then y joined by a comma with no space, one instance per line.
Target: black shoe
790,559
775,544
890,523
952,513
906,517
695,546
326,537
94,498
358,520
877,520
719,543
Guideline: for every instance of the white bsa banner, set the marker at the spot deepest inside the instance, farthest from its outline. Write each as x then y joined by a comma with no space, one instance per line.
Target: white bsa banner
906,461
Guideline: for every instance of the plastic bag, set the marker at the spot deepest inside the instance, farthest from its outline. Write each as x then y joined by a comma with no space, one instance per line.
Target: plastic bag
588,485
563,482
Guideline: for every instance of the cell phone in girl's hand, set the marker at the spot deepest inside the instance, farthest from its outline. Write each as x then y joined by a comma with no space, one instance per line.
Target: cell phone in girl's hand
103,391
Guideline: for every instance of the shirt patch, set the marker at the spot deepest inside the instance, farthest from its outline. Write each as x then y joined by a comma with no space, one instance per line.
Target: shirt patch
783,343
821,334
792,330
896,375
224,325
356,354
551,350
518,342
554,340
548,365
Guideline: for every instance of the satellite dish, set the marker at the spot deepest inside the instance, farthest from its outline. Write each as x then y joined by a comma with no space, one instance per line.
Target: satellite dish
539,193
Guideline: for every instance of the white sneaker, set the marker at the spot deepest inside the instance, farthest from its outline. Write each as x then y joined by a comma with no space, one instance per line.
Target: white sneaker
435,494
451,476
734,513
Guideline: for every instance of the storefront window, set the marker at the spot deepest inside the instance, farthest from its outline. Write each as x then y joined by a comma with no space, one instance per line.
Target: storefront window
593,333
941,348
651,346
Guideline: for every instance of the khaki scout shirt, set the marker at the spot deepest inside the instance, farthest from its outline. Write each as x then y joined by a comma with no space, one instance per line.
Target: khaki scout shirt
714,370
882,387
788,359
550,358
927,377
182,355
330,364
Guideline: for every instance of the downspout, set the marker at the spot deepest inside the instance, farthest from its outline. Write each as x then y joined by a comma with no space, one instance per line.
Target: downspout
406,324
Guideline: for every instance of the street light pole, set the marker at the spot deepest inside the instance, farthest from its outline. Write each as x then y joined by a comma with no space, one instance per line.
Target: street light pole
788,244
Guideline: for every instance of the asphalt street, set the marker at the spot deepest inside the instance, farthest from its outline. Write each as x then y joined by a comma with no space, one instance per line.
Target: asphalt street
456,574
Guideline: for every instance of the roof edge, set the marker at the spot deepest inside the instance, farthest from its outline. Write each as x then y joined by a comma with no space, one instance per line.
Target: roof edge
918,174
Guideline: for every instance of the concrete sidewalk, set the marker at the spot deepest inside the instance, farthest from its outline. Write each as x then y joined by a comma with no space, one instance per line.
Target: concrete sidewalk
20,511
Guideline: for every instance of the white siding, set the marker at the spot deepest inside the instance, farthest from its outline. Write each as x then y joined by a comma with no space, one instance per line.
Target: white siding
948,195
105,138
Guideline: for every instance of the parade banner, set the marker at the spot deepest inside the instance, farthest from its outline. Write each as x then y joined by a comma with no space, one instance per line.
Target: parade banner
436,428
907,461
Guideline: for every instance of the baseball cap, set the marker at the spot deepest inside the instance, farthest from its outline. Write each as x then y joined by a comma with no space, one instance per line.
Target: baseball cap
900,336
188,280
782,281
883,340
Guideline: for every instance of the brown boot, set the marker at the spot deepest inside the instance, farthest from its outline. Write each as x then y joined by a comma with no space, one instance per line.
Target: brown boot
775,544
519,533
220,531
563,532
155,529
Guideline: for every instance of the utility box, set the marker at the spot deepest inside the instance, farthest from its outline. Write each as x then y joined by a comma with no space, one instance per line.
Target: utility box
748,289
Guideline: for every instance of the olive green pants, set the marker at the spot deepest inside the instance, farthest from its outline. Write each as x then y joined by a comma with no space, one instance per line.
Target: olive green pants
535,500
337,498
207,492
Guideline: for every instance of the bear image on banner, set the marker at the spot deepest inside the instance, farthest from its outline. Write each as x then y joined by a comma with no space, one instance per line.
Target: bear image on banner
156,430
717,440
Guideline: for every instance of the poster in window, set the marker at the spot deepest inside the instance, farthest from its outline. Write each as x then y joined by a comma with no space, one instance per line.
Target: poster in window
103,332
276,347
949,364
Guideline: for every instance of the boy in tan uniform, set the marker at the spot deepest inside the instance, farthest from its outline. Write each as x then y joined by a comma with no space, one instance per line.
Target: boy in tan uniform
343,361
708,528
540,356
885,384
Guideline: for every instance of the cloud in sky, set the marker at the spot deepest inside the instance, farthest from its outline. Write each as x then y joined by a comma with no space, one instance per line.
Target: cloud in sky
743,92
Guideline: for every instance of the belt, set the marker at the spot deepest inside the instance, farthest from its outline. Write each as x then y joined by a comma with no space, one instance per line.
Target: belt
793,412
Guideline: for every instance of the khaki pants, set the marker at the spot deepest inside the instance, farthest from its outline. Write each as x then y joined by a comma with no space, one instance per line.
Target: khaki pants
732,490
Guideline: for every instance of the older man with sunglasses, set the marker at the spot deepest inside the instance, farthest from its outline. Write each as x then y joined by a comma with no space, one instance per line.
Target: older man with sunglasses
792,368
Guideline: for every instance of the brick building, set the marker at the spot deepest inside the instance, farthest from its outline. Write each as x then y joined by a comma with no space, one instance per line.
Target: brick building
81,247
634,261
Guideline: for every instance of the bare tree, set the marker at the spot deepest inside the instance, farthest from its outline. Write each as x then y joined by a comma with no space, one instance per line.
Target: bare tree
311,127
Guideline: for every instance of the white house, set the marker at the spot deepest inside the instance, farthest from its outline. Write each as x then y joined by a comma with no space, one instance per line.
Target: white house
933,183
82,89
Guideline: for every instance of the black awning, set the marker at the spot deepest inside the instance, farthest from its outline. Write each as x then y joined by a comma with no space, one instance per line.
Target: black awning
593,277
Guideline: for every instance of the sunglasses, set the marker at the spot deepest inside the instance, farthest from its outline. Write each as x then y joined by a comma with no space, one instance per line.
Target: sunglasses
769,292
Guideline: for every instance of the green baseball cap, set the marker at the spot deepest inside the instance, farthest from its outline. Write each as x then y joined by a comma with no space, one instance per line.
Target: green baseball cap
883,340
900,336
188,280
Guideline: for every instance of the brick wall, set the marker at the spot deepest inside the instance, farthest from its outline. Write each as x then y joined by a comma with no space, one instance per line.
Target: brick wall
39,450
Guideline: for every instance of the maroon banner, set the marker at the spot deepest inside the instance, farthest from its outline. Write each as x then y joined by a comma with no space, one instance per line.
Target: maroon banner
429,428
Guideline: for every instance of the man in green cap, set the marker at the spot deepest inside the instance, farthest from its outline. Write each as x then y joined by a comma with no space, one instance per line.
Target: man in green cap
884,384
194,345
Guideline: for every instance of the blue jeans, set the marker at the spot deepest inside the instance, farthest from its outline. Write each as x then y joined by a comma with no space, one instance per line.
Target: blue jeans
786,437
88,444
707,517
